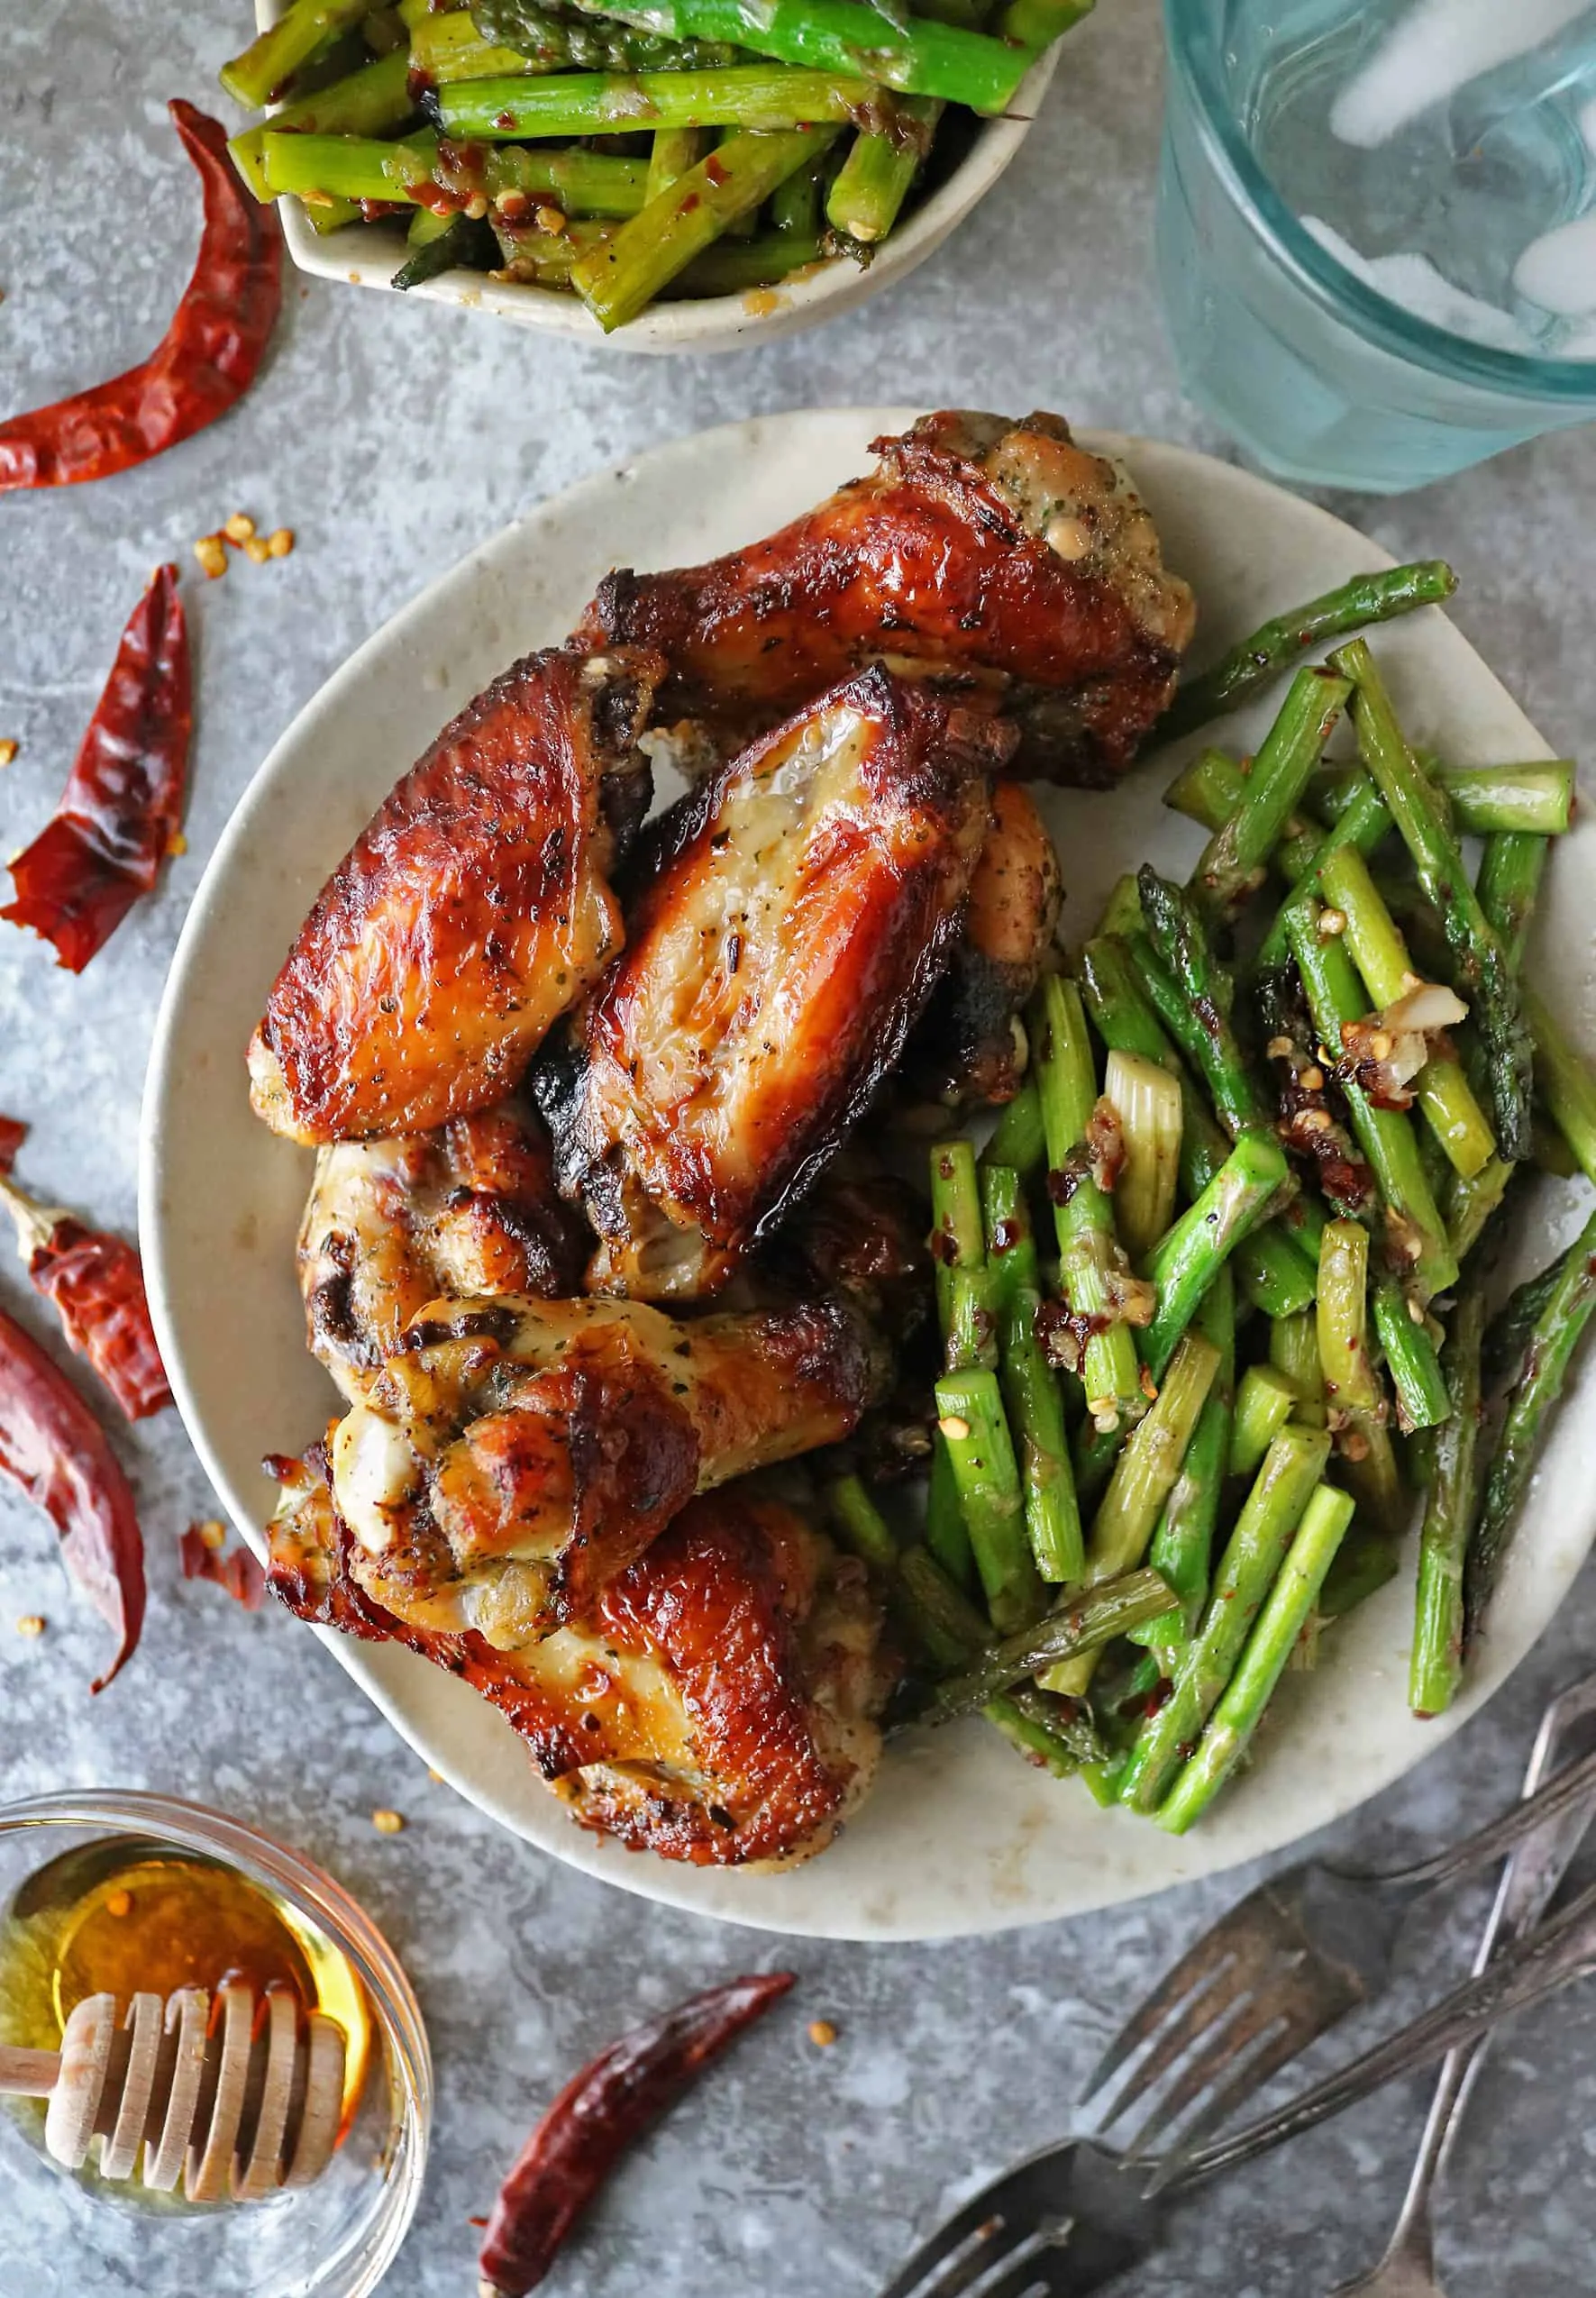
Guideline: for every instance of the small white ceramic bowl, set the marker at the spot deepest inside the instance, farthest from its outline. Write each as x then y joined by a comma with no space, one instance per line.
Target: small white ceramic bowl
367,255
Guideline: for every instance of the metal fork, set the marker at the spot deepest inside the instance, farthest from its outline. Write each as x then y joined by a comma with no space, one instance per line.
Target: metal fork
1070,2218
1283,1966
1529,1884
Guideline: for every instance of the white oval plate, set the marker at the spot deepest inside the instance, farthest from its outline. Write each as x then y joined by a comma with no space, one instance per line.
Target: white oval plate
959,1837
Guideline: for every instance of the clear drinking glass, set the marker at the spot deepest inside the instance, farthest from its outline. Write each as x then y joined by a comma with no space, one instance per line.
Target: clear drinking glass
1323,379
75,2235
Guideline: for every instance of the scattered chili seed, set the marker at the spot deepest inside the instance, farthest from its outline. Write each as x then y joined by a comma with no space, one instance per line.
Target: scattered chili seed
212,553
119,1903
953,1427
177,843
239,527
477,206
279,543
550,219
30,1624
8,751
1332,921
387,1822
213,1533
255,552
822,2033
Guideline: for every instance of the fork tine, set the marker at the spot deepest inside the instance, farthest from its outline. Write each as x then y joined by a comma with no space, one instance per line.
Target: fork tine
1223,2051
1032,2276
1009,2241
1201,2015
1262,2068
1201,1963
984,2211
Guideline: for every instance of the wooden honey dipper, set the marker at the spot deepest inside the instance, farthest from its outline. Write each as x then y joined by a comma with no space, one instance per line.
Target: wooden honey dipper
193,2080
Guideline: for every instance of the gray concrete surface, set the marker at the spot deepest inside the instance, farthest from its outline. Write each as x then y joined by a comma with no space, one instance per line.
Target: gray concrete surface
393,437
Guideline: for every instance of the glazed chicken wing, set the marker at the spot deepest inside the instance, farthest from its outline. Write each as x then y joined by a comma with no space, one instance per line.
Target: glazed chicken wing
470,913
717,1705
969,1044
471,1207
515,1454
804,902
997,551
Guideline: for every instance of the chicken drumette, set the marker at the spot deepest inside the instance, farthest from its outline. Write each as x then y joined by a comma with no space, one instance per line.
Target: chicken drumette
716,1705
996,553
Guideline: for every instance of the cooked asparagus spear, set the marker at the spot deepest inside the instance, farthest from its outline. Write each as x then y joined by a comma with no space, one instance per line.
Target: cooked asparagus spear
1269,1647
1252,1556
1342,1318
1552,1344
1185,1261
1511,1329
673,152
1410,1356
1192,995
363,104
1036,25
635,263
1504,801
1081,1624
971,1418
1093,1274
880,170
1280,645
1018,1140
1381,957
559,39
1274,1274
1208,789
1416,1234
1436,1667
1234,862
1567,1084
1264,1402
918,57
270,61
584,103
1485,976
1509,887
348,167
1182,1543
1294,1351
1030,1386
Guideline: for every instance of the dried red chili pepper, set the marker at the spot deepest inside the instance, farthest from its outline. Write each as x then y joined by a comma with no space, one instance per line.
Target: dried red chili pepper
206,360
51,1445
105,843
239,1574
596,2116
13,1134
96,1284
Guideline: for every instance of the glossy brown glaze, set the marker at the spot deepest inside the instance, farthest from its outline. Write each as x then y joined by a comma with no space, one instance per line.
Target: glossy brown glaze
718,1706
803,903
516,1455
470,1208
470,913
970,1044
999,553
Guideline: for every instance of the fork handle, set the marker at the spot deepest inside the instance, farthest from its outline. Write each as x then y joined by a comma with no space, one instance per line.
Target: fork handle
1561,1796
1560,1950
1529,1884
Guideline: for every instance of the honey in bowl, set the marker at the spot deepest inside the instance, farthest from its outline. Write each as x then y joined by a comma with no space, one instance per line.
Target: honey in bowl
122,1918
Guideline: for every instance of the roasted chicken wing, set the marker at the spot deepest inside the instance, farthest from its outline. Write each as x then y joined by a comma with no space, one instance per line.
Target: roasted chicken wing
515,1455
471,1207
997,551
802,905
718,1704
969,1044
470,913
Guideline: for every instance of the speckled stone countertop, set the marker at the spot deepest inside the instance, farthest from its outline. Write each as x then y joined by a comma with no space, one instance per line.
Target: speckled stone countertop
392,437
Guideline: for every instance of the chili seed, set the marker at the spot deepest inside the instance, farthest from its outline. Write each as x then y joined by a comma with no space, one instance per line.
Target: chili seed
387,1822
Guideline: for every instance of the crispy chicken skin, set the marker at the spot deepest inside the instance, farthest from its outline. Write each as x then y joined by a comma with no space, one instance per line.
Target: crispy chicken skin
473,909
718,1705
802,905
969,1044
996,550
470,1208
515,1454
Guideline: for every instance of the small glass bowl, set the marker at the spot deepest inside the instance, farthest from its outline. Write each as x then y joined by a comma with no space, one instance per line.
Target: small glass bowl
70,2234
